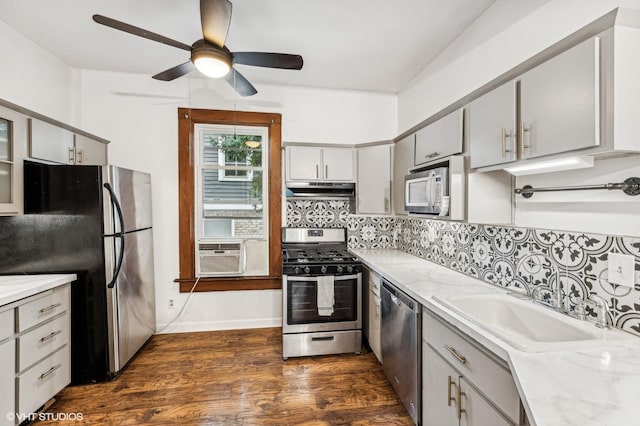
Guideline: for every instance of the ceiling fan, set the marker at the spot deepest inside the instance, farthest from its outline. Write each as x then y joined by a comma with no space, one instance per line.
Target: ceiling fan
209,54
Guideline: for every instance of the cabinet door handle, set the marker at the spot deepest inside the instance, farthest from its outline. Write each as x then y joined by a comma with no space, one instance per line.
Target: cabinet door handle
80,157
433,154
523,145
72,155
455,354
317,171
449,397
49,372
460,409
326,171
50,308
50,336
505,136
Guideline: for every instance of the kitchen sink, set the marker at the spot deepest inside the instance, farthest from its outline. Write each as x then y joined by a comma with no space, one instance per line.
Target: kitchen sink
530,327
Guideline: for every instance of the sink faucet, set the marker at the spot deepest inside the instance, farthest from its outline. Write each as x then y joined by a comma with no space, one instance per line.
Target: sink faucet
602,308
534,262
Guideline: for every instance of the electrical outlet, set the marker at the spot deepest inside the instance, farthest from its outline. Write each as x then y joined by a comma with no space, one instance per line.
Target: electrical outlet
621,269
172,304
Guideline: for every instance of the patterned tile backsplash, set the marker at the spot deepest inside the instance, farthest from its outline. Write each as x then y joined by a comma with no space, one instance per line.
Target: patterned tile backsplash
505,256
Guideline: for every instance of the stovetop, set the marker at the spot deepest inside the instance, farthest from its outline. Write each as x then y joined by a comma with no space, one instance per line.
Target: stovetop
318,260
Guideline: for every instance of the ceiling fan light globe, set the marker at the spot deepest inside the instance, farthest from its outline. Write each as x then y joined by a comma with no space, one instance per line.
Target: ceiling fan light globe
210,61
212,67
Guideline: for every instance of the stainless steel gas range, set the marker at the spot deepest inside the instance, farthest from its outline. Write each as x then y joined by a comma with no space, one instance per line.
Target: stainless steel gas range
321,293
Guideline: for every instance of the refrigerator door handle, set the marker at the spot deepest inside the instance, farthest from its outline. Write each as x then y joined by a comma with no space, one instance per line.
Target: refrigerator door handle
120,234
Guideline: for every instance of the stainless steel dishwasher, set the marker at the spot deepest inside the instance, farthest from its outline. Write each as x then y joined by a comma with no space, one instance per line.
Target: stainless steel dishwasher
400,340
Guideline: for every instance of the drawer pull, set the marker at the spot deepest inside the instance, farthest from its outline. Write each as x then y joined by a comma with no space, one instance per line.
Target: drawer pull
50,336
322,339
50,308
49,372
456,354
433,154
449,397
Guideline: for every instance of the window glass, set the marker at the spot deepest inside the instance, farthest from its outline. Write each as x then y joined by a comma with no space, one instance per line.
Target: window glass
230,187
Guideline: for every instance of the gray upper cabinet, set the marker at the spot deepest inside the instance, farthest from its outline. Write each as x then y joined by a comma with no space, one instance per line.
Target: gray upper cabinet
439,139
89,151
402,162
317,163
55,144
560,103
492,127
374,179
13,127
50,143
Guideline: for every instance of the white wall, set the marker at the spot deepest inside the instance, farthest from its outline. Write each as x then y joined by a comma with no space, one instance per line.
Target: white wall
139,116
502,38
33,78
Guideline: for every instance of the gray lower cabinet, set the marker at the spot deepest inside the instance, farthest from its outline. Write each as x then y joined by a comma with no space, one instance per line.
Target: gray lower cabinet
35,356
7,366
463,384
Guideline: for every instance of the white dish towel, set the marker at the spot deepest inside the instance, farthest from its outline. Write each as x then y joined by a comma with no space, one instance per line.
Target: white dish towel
325,295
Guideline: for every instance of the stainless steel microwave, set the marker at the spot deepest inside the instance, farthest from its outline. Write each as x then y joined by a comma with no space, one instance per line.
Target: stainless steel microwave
427,191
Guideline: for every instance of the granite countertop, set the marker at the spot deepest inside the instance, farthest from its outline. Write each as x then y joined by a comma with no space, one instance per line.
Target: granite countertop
16,287
581,387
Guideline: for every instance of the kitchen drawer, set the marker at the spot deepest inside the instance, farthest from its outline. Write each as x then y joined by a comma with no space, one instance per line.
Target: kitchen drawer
321,343
44,380
494,380
41,341
6,324
43,308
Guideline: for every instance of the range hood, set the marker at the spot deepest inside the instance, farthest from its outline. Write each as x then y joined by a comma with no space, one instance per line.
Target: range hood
321,189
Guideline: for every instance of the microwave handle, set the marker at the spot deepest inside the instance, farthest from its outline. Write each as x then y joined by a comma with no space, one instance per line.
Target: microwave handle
430,188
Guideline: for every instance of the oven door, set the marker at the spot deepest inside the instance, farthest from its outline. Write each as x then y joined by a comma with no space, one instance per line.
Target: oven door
300,306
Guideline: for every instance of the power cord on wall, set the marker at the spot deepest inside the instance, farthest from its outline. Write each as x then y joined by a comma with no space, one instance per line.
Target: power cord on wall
181,309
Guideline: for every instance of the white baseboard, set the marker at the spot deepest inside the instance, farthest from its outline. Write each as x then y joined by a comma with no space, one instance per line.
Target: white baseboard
186,327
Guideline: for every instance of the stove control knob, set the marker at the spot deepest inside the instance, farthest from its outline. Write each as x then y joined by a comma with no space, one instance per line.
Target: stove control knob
349,268
339,269
323,269
296,270
306,270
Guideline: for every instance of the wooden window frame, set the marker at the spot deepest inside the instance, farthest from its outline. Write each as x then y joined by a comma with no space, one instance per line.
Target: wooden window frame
187,119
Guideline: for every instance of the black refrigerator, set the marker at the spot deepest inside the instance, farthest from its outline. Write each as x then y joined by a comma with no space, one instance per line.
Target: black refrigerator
94,221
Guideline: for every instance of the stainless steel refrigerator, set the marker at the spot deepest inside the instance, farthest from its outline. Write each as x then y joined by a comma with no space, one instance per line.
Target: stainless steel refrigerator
94,221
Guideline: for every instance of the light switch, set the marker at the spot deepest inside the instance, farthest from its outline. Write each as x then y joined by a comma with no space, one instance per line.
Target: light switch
621,269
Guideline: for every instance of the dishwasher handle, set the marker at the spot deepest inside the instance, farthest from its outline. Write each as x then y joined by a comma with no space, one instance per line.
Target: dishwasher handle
399,298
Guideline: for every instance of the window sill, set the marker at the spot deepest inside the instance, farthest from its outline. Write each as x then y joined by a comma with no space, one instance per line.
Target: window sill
230,284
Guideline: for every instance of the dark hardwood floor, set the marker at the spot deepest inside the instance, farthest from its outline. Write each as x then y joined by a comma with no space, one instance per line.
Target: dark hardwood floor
236,378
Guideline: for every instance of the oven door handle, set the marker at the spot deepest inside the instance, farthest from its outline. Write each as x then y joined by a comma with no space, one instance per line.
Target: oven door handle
315,278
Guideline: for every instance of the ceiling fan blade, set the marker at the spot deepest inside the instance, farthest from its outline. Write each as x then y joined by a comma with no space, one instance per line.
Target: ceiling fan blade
174,72
239,83
215,16
269,60
112,23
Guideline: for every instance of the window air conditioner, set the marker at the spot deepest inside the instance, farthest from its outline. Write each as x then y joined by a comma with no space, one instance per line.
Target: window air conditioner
214,259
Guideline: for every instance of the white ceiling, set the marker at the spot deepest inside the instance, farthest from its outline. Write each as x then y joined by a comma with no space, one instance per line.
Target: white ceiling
378,45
